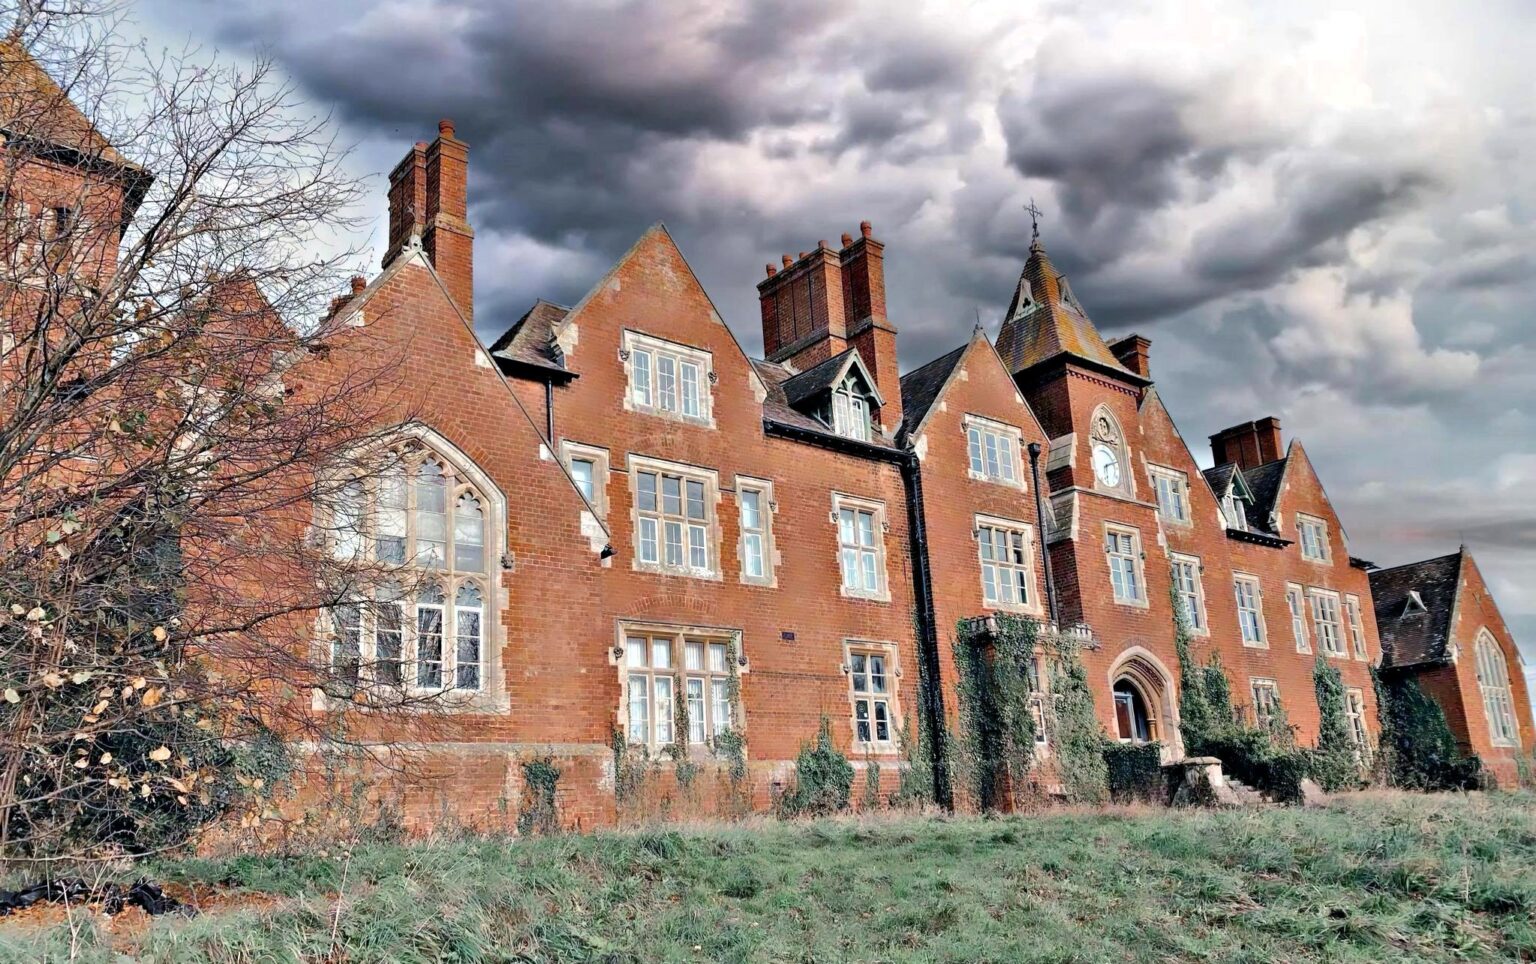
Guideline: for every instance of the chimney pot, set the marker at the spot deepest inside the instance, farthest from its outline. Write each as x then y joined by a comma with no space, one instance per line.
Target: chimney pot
358,284
421,145
788,261
822,246
445,127
866,229
802,255
847,239
771,270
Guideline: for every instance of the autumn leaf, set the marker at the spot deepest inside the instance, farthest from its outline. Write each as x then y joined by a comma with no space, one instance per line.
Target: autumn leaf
151,696
81,677
53,680
11,696
160,755
160,634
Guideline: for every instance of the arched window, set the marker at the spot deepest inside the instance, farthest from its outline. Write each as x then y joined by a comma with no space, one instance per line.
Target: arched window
850,410
1498,701
419,530
1107,451
1133,716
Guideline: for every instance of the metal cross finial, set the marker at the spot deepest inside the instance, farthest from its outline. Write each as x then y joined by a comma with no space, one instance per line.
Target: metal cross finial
1034,218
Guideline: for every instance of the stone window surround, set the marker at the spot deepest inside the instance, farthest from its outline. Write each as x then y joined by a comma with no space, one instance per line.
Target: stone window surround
1204,629
1498,692
492,696
1314,593
1354,616
571,450
624,628
1031,549
893,673
1139,559
1303,519
1298,615
769,509
1011,432
1248,578
1155,472
840,501
632,340
711,480
1256,683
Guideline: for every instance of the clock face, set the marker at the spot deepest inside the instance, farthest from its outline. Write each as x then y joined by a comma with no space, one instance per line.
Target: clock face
1106,465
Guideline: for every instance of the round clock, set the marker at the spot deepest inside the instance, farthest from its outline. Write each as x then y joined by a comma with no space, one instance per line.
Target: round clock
1106,465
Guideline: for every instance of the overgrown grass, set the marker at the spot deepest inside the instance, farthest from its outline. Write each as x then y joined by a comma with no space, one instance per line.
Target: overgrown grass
1378,876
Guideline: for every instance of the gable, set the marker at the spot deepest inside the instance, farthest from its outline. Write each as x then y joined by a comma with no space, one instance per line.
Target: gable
990,390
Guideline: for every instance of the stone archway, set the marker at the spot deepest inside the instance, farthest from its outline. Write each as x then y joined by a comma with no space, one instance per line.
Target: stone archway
1145,702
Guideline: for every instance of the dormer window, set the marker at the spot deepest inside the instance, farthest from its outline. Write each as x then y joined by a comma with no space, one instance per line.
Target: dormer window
1415,604
850,410
1235,510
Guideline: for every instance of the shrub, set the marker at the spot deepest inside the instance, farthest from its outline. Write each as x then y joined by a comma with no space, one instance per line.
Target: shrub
1134,772
1419,750
823,778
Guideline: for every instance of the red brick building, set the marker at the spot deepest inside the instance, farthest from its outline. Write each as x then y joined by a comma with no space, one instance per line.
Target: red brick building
639,538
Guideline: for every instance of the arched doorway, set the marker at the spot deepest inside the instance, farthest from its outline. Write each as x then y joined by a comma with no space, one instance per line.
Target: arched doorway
1133,721
1144,702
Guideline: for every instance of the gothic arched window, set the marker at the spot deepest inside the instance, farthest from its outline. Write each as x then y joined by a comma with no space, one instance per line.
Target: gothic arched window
418,531
1498,701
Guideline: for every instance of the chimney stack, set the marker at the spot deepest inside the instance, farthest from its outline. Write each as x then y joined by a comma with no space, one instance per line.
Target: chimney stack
1134,352
429,198
826,301
1250,444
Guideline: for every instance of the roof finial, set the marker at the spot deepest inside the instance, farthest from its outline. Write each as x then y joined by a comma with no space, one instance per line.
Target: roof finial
1034,221
977,309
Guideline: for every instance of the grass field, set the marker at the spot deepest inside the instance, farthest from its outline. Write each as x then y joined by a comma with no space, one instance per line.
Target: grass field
1375,877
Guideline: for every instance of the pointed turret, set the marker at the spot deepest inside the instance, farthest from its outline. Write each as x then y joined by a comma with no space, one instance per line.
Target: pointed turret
1044,320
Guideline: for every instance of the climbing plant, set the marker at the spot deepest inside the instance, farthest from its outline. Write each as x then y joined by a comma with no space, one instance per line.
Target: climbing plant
914,787
1417,750
996,689
823,778
539,812
1194,711
1078,739
1336,759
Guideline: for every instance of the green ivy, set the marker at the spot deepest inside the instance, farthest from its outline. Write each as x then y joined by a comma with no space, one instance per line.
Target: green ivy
1078,737
914,787
1134,772
540,811
995,691
1336,759
823,778
1194,711
871,783
1417,750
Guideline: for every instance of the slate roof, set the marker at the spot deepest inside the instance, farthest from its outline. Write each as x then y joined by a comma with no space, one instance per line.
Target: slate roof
776,406
1419,638
1220,478
822,376
921,386
530,340
1264,483
1044,320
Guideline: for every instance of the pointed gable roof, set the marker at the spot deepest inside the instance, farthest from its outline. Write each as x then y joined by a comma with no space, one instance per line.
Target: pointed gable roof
826,375
1044,321
1413,635
922,386
47,115
530,342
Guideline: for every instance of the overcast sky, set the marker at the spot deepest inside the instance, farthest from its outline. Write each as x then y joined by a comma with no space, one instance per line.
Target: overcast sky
1324,211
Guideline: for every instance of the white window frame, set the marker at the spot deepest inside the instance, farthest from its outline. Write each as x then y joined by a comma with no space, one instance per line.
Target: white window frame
660,519
1296,604
572,452
1011,529
1242,601
762,489
852,414
1137,564
1312,536
1235,512
635,657
1324,629
861,551
1356,623
648,385
869,697
1199,619
1178,486
404,583
1257,684
990,443
1493,685
1359,732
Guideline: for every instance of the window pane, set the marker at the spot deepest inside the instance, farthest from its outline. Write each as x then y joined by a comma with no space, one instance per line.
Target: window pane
639,709
993,468
388,636
671,495
973,443
849,559
695,499
642,377
581,471
882,721
754,553
696,720
871,572
674,531
635,650
698,552
866,529
1005,454
690,389
468,535
717,657
467,655
666,395
647,490
648,540
346,649
719,696
429,646
861,719
845,527
661,653
693,655
859,665
663,706
751,512
877,674
348,529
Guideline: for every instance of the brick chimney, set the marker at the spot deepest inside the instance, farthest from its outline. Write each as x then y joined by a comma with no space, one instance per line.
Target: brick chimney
820,304
1134,352
1250,444
429,198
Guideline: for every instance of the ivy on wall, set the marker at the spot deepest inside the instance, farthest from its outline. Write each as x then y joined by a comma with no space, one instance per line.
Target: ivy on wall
1077,737
1417,750
997,743
1336,760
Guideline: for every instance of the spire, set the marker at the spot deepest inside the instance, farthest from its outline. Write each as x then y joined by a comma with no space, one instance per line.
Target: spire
1044,319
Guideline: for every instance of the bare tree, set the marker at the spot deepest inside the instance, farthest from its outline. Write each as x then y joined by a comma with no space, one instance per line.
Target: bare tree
184,420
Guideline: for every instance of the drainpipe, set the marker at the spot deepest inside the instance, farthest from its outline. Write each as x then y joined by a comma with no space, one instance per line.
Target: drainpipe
927,631
1035,448
549,412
